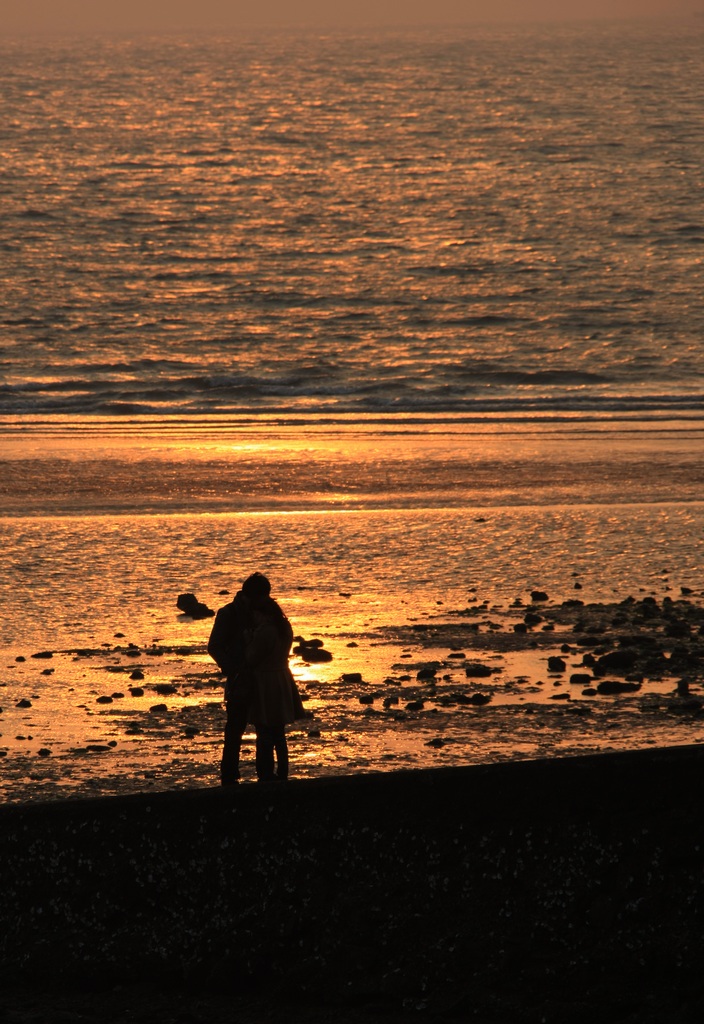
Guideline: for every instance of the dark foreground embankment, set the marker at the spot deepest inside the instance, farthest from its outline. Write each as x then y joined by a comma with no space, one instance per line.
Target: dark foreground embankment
526,891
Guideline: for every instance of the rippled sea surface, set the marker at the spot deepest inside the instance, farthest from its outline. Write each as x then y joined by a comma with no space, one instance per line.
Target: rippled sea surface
500,221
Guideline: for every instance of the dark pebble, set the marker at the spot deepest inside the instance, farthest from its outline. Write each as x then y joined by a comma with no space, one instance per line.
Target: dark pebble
426,673
24,703
137,674
366,698
191,606
557,665
309,654
612,686
616,661
477,671
351,677
44,752
158,707
538,595
136,691
43,654
104,700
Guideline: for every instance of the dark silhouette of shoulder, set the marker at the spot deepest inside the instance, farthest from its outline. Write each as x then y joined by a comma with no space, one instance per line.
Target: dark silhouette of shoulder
227,642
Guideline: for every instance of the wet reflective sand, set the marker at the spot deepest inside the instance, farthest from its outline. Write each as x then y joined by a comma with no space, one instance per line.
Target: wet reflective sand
480,685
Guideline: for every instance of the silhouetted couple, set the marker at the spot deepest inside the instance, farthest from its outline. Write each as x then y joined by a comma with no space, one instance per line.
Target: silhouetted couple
250,641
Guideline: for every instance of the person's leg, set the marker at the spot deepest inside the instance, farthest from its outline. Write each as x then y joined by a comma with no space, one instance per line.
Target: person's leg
234,729
281,747
265,753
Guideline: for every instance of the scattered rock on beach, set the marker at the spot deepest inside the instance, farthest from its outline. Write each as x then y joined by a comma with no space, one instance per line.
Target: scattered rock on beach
477,670
191,606
479,699
556,664
617,661
311,650
103,700
538,595
427,672
43,654
613,686
137,674
24,703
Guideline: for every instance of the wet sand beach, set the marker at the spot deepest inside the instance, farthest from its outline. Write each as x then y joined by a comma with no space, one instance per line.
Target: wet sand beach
468,685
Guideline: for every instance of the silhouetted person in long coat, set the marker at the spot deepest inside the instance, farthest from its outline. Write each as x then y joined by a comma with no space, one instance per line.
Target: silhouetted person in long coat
232,630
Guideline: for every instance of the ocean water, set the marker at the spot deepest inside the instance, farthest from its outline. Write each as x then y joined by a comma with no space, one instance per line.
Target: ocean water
496,222
409,322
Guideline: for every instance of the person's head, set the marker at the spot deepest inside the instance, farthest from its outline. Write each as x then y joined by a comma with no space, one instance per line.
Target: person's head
256,588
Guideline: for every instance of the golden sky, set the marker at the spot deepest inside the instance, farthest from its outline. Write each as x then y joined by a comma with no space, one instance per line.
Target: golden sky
150,15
